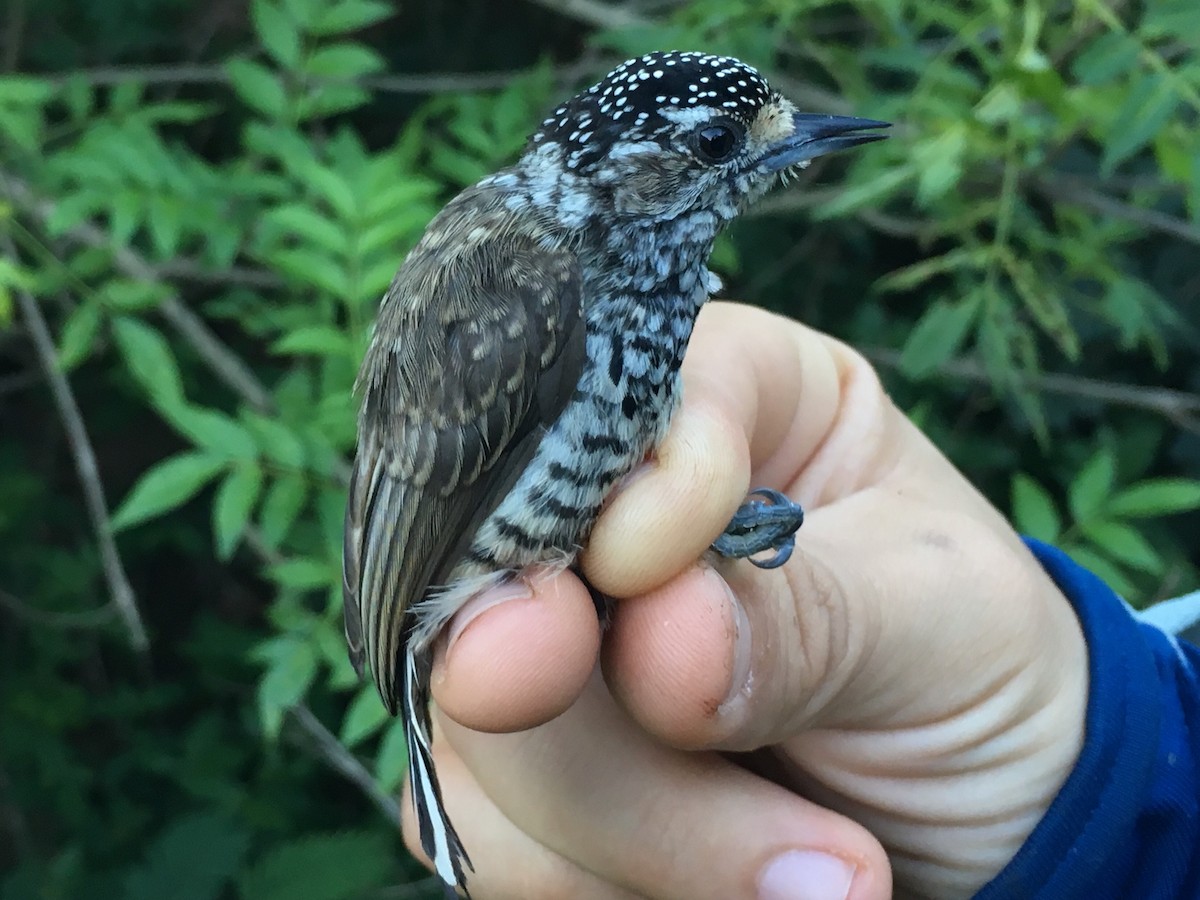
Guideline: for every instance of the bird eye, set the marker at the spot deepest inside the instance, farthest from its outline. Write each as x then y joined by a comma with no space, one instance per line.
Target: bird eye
716,142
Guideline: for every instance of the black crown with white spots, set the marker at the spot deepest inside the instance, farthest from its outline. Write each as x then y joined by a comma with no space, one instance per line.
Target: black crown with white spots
628,103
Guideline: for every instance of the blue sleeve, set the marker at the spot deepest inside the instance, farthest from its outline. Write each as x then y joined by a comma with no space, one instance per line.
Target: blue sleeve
1127,822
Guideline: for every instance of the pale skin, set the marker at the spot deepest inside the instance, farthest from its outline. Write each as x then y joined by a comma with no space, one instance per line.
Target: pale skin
914,682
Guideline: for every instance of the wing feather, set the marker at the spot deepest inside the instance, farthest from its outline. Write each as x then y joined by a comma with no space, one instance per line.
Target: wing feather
474,356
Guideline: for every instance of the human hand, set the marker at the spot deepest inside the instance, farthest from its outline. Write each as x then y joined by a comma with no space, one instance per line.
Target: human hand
910,680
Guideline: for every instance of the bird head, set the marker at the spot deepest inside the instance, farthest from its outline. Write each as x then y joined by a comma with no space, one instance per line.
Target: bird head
671,133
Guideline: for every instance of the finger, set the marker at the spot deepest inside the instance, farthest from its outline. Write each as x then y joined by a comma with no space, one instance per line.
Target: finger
594,788
518,656
508,864
666,516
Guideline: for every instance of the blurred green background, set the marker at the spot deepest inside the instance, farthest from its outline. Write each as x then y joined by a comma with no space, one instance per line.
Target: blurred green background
201,204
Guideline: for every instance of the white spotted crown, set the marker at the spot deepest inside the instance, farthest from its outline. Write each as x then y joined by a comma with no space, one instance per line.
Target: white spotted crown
628,104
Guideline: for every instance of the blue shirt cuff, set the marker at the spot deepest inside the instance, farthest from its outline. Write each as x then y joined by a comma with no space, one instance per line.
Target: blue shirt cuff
1125,823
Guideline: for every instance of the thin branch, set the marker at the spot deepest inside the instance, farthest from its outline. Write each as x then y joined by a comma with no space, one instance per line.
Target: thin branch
593,13
14,31
11,384
90,618
788,200
341,760
1180,407
432,83
258,545
1064,187
243,276
85,464
224,363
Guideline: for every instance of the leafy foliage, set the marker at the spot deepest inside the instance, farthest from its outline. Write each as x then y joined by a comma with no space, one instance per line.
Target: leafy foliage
208,240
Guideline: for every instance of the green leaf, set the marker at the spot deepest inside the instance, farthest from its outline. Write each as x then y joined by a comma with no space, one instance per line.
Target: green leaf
909,277
1044,302
865,193
1156,497
22,127
365,716
281,507
166,486
311,269
1034,511
937,336
292,665
149,358
324,99
345,60
191,859
25,90
72,210
12,275
78,97
342,866
348,16
165,220
302,221
78,335
124,214
399,196
1127,304
318,340
1124,544
334,189
392,763
258,87
1002,103
1090,490
305,574
940,162
275,440
234,502
126,295
126,97
1110,55
214,431
1150,103
304,11
277,32
392,233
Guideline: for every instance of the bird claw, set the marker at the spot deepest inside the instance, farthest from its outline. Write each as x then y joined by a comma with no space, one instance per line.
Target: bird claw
759,526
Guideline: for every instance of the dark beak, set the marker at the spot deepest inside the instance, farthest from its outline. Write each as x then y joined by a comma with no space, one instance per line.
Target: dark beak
817,135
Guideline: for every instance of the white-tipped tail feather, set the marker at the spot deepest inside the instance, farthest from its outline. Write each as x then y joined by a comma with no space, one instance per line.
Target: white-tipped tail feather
438,837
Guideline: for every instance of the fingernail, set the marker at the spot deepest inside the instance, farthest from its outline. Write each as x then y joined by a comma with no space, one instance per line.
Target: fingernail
741,677
805,875
477,606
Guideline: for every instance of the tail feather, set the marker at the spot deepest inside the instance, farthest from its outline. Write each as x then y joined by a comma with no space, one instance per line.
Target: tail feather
438,837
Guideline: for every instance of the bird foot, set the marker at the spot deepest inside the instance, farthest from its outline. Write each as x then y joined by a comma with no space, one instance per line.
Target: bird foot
758,525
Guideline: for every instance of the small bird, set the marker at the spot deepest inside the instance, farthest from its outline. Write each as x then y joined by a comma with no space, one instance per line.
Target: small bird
526,357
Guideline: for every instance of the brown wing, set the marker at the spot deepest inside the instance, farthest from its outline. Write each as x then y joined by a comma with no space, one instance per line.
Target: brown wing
475,352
